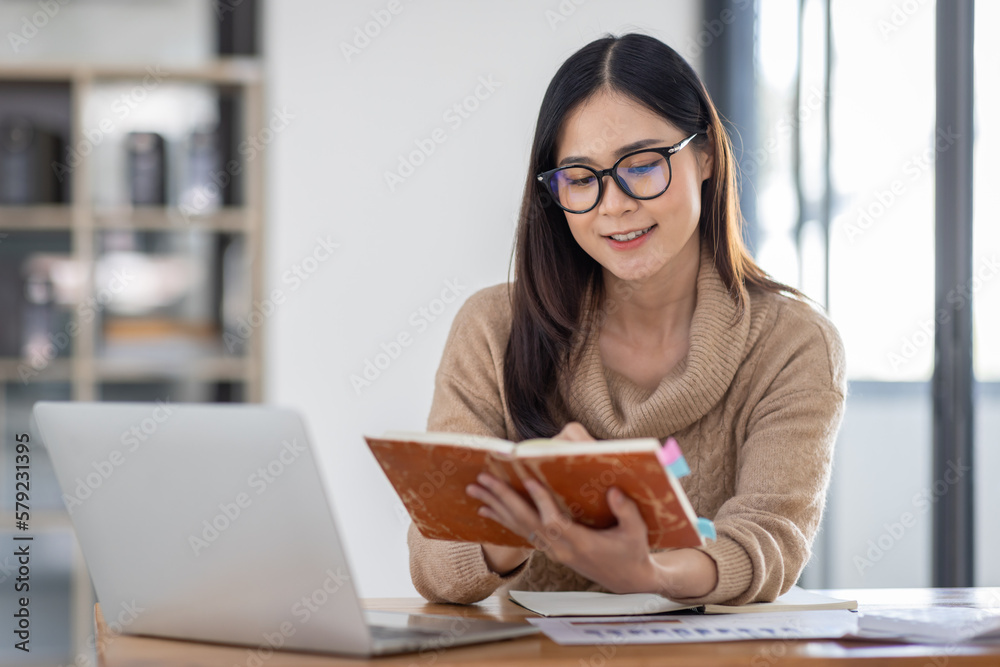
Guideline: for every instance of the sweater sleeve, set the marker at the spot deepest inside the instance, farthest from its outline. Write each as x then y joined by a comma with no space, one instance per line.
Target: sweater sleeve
467,399
765,531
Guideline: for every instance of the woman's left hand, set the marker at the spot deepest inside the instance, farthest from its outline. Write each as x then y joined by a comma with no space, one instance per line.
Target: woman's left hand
616,558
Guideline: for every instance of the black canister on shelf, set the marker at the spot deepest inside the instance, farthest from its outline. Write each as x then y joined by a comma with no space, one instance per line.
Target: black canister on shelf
147,169
26,153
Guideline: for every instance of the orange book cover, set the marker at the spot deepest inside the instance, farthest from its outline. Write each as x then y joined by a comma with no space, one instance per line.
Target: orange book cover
430,471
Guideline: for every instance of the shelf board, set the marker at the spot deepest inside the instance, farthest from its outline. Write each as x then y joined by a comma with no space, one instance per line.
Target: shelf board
56,370
59,217
205,369
234,71
36,217
171,219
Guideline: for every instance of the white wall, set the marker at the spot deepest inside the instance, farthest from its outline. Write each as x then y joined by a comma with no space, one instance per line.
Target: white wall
108,31
452,219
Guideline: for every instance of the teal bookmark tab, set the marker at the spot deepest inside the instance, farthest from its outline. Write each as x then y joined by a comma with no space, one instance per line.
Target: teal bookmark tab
670,457
706,528
680,468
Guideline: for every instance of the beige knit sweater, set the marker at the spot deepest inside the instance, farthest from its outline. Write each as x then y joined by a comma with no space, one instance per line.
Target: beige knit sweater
754,406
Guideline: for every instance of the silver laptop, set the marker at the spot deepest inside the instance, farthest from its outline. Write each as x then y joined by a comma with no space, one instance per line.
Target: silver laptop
210,523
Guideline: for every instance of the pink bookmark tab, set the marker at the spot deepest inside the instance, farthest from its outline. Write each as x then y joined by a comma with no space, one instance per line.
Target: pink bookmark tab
669,452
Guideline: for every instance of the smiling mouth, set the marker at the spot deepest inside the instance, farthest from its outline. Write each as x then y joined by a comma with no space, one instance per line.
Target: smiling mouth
631,235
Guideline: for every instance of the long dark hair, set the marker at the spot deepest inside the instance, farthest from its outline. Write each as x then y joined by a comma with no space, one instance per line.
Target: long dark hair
552,272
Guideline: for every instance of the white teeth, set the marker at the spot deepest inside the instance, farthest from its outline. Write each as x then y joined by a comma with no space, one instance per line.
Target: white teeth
630,235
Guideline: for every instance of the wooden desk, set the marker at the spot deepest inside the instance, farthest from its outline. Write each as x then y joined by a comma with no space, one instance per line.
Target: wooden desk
537,651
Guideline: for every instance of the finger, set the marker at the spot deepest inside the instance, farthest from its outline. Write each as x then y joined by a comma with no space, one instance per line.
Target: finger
508,503
505,493
554,525
500,515
493,506
490,487
506,521
546,504
626,511
574,431
487,513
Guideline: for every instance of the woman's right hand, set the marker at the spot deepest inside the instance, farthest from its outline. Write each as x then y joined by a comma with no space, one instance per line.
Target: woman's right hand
502,560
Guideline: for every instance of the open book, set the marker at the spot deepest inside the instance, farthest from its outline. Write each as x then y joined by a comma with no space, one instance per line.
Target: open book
584,603
430,472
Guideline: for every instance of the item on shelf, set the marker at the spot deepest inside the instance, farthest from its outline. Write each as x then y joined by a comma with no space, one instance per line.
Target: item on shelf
237,29
147,168
158,340
205,182
229,132
11,305
49,282
138,283
163,303
236,297
38,316
26,153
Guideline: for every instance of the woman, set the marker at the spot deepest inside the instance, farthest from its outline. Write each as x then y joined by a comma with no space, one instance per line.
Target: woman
636,311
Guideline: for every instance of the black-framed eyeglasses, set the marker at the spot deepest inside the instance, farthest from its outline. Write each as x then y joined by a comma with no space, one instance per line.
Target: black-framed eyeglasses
642,174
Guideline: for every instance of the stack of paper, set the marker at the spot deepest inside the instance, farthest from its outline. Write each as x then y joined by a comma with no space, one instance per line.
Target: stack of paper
935,625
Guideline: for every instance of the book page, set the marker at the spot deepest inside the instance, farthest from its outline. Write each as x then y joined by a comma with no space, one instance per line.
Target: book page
796,599
550,447
592,603
456,439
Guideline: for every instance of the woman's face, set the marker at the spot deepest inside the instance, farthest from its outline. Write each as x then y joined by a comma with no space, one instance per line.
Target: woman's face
596,134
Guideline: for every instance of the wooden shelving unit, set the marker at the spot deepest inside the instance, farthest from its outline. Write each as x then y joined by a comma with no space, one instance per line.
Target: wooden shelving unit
84,369
43,217
83,220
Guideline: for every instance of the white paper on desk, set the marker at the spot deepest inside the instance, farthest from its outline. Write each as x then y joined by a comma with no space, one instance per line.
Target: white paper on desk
588,603
697,628
936,625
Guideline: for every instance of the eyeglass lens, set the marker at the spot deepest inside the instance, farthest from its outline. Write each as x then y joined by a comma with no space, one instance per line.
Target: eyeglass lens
644,175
